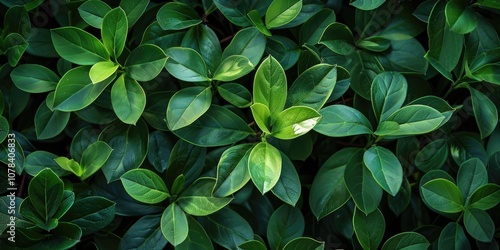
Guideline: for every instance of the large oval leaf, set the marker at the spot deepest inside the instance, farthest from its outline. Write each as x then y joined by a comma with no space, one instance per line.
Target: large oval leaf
369,228
187,105
128,99
340,120
48,123
285,224
385,168
78,46
114,31
91,214
174,224
186,64
145,186
248,42
145,62
453,237
144,234
270,87
177,16
264,164
34,78
388,92
232,170
416,119
479,224
443,195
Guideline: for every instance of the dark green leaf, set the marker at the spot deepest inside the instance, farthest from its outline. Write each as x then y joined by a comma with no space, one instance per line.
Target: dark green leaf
197,199
338,38
78,46
285,224
144,234
49,124
128,99
204,40
385,168
432,156
340,120
367,4
134,9
485,197
252,245
479,224
197,238
288,187
294,122
400,202
236,94
443,195
406,240
145,62
388,92
460,17
304,244
485,112
248,42
313,29
46,193
405,56
34,78
187,105
177,16
375,44
93,158
369,228
91,214
15,46
186,64
365,67
416,119
187,160
93,12
471,175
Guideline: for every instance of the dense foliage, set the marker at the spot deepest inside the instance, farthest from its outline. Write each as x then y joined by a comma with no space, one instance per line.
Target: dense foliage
250,124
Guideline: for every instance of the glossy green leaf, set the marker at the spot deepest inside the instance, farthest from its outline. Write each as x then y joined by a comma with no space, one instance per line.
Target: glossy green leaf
174,224
102,70
94,157
227,228
405,56
69,165
145,234
15,45
114,31
197,199
34,78
236,94
255,18
187,160
49,124
445,46
129,144
46,193
375,44
76,91
443,195
340,120
134,9
232,68
235,12
295,121
78,46
204,40
416,119
285,224
92,12
197,237
453,237
388,92
365,67
485,197
281,12
270,86
407,240
328,190
262,116
460,17
128,99
264,164
360,183
232,170
145,62
186,64
432,156
367,4
385,168
312,30
187,105
288,188
488,73
91,214
485,112
284,50
216,127
177,16
252,245
313,87
471,175
304,243
39,160
248,42
338,38
4,128
144,186
479,224
386,128
369,228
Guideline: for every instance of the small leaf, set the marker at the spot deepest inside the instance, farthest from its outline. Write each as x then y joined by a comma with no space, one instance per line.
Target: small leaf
270,86
485,197
91,214
294,122
236,94
388,93
187,105
375,44
288,187
92,12
102,70
264,165
186,64
227,228
443,195
134,9
232,170
145,234
177,16
416,119
453,237
340,120
255,18
385,168
197,199
197,238
46,193
248,42
281,12
145,186
49,124
262,116
471,175
460,17
367,4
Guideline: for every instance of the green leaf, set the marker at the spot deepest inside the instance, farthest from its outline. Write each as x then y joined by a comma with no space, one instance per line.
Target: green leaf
386,128
284,50
160,146
187,105
197,238
16,20
328,190
248,42
255,18
388,92
236,94
235,12
28,211
252,245
128,99
304,243
46,193
312,30
232,68
134,9
177,16
144,234
270,86
204,40
367,4
197,199
186,64
445,46
460,17
385,168
485,197
145,186
488,73
14,45
187,160
66,203
49,124
145,62
288,188
443,195
91,214
400,202
485,112
232,170
76,91
129,144
340,120
405,56
114,31
227,228
465,146
94,157
78,46
69,165
174,224
92,12
471,175
365,67
281,12
66,235
217,127
264,164
4,128
360,183
416,119
262,116
338,38
294,122
406,240
432,156
479,224
369,228
102,71
453,237
34,78
313,87
285,224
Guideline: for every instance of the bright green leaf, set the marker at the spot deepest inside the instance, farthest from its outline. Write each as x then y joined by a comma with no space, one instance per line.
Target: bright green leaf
281,12
78,46
177,16
128,99
187,105
94,157
340,120
264,164
102,71
145,186
294,122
